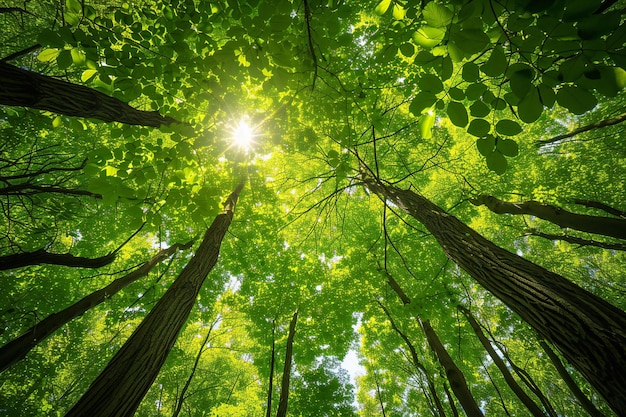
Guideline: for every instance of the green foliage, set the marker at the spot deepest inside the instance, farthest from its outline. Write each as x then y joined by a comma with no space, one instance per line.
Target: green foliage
437,99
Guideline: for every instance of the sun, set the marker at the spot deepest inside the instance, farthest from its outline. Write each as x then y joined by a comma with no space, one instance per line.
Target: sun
243,135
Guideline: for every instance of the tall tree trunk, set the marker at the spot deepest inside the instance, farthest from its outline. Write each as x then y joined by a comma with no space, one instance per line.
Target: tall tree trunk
455,412
571,384
534,409
454,374
19,347
417,363
121,386
607,226
270,388
589,332
19,87
284,385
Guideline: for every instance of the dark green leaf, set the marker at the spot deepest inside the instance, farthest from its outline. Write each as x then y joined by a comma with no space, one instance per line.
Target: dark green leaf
479,109
470,72
422,101
507,147
576,99
457,114
430,83
497,162
486,145
496,64
508,127
479,127
530,107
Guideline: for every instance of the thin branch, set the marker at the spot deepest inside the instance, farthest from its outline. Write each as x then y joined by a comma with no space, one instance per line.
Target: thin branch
597,125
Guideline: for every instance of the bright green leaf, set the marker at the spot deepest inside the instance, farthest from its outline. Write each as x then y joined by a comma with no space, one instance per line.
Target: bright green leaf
426,123
428,36
437,15
382,7
398,12
48,55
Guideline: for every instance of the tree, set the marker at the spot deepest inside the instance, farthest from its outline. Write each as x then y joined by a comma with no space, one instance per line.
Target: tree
136,365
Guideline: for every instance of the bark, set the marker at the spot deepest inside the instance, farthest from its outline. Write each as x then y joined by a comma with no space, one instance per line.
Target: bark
417,363
587,330
18,348
270,388
41,256
534,409
607,226
454,374
121,386
571,384
284,386
602,123
19,87
455,412
30,189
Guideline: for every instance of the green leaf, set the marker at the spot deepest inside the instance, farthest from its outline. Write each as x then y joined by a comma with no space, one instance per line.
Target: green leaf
497,162
479,127
521,81
457,114
428,36
430,83
57,121
49,37
88,74
507,147
421,102
382,7
470,41
426,123
333,158
74,6
576,99
479,109
474,91
470,72
546,95
64,60
407,49
398,12
437,15
486,145
456,93
48,55
496,64
530,107
508,127
78,58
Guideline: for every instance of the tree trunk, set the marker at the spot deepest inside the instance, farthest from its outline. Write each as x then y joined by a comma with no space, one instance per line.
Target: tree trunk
589,332
18,348
270,388
572,385
19,87
121,386
607,226
454,374
534,409
41,256
284,386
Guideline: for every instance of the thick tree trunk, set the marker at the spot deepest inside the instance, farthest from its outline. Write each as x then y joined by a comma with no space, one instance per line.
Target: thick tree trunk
19,347
284,386
607,226
121,386
19,87
534,409
454,374
41,256
589,332
571,384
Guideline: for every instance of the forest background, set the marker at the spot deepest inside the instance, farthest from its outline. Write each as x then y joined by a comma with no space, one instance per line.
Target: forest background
435,187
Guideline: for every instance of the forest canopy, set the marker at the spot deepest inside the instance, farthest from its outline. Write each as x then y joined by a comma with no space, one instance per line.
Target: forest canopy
312,208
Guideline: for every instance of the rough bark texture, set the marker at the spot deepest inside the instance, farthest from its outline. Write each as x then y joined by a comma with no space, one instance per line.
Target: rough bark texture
454,374
19,347
121,386
588,331
19,87
284,386
571,384
534,409
607,226
41,256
